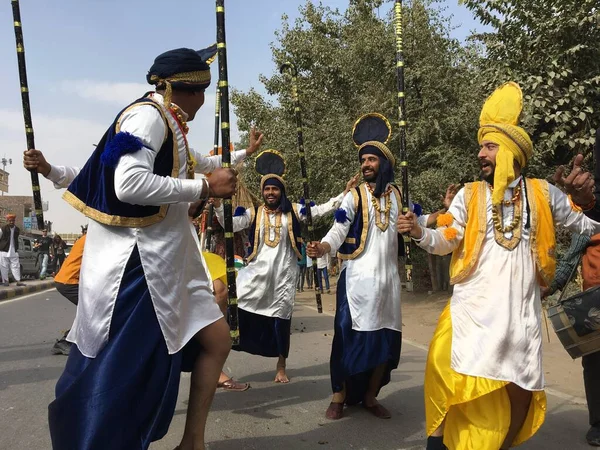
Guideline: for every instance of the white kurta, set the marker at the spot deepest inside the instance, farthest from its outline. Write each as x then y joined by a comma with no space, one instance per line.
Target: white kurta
372,279
496,310
180,289
267,285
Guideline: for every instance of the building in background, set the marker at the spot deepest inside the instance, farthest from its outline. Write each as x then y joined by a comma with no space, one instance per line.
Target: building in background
22,207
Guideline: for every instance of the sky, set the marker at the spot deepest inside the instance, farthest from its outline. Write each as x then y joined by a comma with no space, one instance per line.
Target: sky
87,59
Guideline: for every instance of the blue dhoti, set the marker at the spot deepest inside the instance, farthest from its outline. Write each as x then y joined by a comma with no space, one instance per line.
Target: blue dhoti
354,354
263,335
125,397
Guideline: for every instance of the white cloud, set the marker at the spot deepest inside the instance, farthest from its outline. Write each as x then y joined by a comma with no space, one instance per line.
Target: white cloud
115,93
64,141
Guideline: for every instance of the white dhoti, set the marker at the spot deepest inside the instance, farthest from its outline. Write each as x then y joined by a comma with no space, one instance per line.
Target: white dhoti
10,260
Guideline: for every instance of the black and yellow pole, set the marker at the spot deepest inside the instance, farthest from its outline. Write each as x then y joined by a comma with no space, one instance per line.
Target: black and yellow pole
35,181
291,68
402,131
211,209
232,301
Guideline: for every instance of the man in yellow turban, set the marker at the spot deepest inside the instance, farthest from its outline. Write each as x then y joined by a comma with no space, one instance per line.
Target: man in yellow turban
484,384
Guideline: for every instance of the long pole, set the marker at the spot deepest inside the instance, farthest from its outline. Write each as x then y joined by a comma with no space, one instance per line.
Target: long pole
35,180
291,68
402,130
232,301
211,208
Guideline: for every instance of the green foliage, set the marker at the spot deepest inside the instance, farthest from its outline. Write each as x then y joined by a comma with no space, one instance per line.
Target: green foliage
346,65
551,49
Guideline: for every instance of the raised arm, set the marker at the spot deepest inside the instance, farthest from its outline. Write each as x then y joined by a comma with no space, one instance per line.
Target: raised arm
573,219
207,164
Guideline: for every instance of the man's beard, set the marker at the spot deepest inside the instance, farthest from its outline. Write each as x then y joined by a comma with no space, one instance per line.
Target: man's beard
372,178
489,178
272,204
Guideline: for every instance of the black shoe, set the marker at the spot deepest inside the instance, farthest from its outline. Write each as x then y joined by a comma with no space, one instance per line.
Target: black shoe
61,347
593,436
20,284
436,443
5,284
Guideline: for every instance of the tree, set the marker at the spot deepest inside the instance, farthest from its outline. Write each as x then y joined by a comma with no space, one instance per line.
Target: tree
551,49
346,64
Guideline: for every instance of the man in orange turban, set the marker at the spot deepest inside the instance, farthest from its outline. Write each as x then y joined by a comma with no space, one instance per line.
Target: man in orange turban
9,244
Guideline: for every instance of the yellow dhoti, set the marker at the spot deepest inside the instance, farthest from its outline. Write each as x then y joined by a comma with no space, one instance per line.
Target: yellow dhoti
477,410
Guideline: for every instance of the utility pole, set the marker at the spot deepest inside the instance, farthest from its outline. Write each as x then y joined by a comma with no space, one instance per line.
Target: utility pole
5,162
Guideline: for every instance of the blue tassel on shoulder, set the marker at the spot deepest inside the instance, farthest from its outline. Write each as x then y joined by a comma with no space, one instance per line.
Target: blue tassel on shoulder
121,144
340,215
417,209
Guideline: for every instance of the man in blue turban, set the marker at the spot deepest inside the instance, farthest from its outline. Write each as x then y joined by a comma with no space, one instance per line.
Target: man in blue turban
143,293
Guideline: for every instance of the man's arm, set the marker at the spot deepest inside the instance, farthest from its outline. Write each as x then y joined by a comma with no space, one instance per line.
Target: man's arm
239,222
444,239
333,203
61,176
207,164
564,214
568,262
337,233
451,192
134,180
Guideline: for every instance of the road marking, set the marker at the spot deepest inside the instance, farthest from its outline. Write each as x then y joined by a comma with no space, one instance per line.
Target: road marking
425,348
4,302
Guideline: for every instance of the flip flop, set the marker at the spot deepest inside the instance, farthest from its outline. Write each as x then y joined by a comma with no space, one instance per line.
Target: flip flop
335,411
379,411
232,385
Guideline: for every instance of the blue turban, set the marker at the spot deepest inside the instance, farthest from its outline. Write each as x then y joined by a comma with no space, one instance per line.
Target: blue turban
284,203
386,169
182,69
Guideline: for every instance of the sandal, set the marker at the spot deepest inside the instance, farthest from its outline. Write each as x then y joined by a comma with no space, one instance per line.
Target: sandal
232,385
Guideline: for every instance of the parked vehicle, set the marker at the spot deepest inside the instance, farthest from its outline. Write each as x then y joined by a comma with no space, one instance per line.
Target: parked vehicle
29,260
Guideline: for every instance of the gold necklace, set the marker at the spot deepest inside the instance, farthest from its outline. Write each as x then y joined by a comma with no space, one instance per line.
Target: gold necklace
386,196
513,227
276,228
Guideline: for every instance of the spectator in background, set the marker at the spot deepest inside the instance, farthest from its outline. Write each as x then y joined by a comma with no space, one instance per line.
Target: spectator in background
322,265
58,252
9,245
309,272
42,245
302,267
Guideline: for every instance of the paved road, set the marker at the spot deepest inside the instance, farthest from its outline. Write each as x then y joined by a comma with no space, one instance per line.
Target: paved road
268,416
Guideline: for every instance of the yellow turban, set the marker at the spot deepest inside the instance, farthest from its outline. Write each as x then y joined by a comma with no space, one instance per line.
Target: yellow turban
498,123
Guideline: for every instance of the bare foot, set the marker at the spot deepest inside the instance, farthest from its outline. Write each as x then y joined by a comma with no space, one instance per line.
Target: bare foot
281,377
223,378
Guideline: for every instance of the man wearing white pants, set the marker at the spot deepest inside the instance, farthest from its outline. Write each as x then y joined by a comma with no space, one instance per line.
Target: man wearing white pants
9,243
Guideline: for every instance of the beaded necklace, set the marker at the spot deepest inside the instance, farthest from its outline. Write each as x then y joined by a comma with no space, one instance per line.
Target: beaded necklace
384,223
514,227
